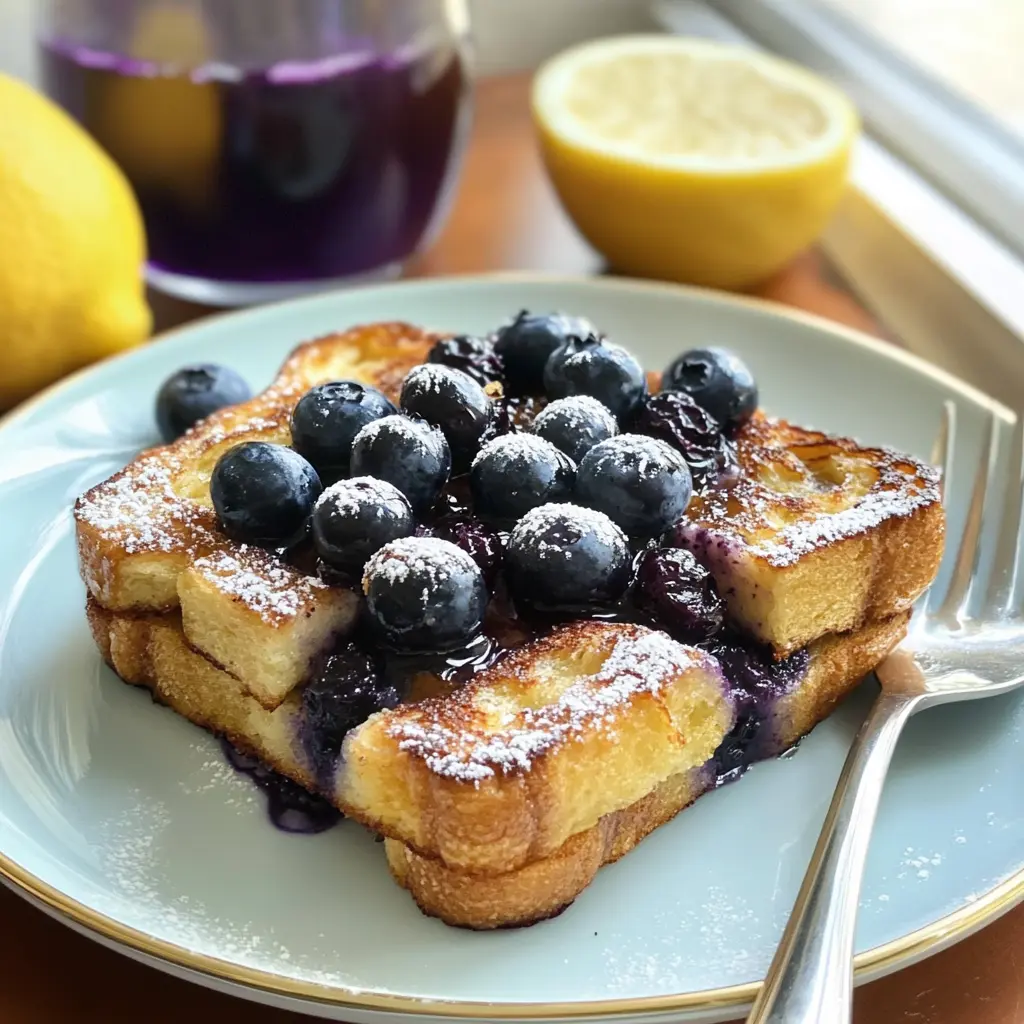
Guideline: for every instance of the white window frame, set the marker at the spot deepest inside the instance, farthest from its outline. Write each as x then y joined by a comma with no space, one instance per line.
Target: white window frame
929,266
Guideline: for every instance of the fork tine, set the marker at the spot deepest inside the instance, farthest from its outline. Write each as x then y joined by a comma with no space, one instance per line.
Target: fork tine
1004,592
944,448
968,554
943,455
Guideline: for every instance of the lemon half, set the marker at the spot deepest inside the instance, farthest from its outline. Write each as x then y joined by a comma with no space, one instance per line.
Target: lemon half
692,160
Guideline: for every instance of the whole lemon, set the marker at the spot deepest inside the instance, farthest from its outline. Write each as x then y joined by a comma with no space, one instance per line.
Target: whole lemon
72,247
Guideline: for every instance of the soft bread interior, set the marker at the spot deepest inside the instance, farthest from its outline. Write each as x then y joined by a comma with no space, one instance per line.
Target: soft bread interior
263,622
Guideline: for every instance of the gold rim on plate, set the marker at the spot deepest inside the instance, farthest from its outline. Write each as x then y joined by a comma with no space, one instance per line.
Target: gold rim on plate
871,963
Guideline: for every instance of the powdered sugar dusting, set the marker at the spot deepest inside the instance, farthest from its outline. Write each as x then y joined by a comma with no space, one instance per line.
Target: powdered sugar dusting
577,412
430,557
141,512
255,578
216,432
423,437
804,536
648,455
640,661
432,377
349,496
538,524
516,447
783,508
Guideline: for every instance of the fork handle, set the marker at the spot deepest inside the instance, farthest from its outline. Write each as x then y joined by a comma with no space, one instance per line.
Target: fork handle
811,978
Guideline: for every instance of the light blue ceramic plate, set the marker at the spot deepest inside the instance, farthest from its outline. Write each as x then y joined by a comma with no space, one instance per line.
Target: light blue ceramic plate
126,820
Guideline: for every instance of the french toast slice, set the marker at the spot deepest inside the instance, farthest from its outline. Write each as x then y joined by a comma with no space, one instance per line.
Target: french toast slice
816,534
151,651
546,886
540,746
501,800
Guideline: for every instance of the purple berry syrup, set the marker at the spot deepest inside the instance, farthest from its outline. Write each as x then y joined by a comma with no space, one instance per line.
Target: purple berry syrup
290,807
301,171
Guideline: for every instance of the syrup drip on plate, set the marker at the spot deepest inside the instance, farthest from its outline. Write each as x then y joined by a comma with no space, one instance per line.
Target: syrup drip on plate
290,807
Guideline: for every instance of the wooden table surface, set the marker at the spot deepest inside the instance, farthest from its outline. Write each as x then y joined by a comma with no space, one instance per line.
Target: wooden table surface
505,217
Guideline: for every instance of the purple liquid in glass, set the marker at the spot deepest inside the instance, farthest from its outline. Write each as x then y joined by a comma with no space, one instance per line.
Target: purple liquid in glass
303,171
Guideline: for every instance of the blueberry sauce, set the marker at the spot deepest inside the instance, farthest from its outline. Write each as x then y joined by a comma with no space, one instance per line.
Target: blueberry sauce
344,689
353,682
512,415
667,583
291,808
758,682
676,419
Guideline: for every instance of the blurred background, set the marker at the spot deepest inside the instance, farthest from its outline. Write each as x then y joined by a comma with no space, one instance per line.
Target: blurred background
974,46
369,164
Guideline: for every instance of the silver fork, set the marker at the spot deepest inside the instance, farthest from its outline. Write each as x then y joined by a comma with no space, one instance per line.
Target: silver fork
963,644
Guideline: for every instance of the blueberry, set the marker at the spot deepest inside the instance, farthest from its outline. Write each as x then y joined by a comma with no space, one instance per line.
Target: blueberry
451,400
345,690
327,418
562,556
717,380
592,366
424,594
193,393
475,537
675,418
263,493
678,592
409,453
474,356
640,482
517,472
353,518
575,424
525,344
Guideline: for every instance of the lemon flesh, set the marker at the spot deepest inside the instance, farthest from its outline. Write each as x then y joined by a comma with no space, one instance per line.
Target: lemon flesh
690,160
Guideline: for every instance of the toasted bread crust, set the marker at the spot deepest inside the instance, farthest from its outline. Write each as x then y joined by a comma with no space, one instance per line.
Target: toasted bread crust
547,885
151,651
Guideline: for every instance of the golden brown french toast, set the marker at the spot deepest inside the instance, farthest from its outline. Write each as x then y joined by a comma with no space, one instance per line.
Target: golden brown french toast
547,885
817,534
503,778
152,652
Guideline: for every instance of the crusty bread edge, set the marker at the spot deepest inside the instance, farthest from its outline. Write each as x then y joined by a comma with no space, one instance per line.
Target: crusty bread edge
547,886
505,819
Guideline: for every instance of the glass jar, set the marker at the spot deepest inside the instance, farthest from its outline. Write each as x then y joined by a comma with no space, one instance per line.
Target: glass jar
275,146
